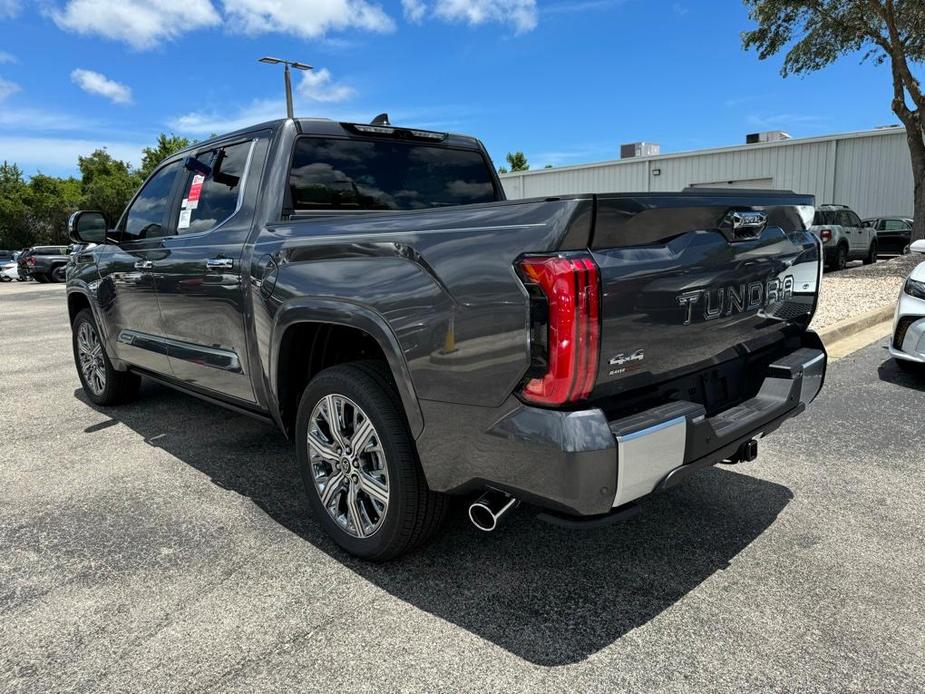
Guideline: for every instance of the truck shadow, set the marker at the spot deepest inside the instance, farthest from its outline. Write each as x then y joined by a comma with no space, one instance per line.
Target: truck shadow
549,595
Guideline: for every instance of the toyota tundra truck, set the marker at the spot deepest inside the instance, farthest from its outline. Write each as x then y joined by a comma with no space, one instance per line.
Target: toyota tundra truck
368,290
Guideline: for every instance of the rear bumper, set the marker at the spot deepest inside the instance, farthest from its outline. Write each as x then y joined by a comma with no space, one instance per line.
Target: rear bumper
579,463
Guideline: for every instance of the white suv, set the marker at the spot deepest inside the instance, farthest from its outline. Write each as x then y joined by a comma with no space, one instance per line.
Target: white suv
843,236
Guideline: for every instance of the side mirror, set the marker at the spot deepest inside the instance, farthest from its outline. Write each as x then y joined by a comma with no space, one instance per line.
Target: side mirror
918,246
87,226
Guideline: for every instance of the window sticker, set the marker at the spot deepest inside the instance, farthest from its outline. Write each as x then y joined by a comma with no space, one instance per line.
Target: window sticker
185,217
195,188
187,205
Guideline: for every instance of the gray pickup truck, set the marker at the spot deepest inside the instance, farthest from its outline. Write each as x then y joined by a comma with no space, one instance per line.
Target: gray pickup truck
369,291
45,263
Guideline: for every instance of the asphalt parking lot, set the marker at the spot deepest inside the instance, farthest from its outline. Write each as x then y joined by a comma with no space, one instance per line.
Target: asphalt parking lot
166,546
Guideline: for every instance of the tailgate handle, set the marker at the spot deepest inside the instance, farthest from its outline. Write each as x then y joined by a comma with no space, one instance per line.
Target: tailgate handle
746,224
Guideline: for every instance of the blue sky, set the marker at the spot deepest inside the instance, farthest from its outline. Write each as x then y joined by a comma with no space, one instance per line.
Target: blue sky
566,81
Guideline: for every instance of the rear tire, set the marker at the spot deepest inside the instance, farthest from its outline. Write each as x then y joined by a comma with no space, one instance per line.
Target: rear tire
41,279
840,260
872,254
353,514
58,273
101,382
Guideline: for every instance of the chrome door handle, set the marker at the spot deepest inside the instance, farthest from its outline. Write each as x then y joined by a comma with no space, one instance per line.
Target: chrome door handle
144,264
219,264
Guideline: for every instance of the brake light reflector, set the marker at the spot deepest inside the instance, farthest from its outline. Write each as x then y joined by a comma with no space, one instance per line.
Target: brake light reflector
571,287
825,234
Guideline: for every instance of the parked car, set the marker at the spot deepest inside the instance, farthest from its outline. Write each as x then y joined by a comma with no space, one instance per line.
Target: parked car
368,290
9,271
46,263
893,233
843,236
908,343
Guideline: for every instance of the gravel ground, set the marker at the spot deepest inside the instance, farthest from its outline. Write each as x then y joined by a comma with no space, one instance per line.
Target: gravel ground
862,288
165,546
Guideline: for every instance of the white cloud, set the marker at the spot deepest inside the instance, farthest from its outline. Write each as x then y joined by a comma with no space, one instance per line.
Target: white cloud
522,14
9,8
59,155
7,58
318,86
414,10
305,18
95,83
205,123
7,88
140,23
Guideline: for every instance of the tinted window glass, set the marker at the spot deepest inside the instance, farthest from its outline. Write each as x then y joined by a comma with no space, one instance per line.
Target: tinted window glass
854,220
145,218
824,217
894,225
209,201
376,175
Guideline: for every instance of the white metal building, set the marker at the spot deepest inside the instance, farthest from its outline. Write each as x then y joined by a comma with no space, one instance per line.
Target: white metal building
870,171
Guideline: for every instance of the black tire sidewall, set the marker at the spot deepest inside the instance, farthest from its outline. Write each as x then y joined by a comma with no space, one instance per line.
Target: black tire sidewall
363,389
53,276
110,393
841,258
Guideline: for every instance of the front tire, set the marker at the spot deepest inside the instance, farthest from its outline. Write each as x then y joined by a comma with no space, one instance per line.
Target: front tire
872,254
359,465
101,382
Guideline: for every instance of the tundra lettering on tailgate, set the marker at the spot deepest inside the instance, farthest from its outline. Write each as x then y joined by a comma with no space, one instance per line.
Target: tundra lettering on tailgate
724,301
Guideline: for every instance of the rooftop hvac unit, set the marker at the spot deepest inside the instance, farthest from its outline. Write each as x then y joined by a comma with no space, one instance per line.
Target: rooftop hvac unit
767,136
640,149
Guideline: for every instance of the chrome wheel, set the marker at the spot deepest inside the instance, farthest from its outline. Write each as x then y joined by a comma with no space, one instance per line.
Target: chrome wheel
90,353
348,465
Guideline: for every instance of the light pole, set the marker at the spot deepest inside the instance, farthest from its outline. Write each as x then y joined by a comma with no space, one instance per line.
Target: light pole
287,63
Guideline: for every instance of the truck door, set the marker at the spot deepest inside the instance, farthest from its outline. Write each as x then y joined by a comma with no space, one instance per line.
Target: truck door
132,312
200,284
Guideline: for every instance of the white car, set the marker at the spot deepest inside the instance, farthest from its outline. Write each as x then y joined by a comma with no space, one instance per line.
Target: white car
9,271
908,343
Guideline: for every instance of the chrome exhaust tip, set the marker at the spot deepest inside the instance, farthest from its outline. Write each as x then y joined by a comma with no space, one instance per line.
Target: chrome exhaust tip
486,512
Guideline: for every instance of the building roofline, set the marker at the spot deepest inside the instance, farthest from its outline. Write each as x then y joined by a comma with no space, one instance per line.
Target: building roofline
893,130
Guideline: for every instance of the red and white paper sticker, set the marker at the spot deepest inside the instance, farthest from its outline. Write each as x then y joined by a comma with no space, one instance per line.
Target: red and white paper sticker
195,188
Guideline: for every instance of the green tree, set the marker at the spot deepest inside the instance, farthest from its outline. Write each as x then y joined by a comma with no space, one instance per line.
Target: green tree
815,33
51,201
517,161
14,212
152,156
106,183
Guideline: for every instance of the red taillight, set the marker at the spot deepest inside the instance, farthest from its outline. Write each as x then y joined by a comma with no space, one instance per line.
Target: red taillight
30,260
571,287
825,234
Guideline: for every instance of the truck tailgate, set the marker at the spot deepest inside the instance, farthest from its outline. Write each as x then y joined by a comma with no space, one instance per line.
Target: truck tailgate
698,278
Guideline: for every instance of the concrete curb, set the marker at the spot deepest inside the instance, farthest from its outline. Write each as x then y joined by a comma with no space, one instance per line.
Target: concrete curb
848,327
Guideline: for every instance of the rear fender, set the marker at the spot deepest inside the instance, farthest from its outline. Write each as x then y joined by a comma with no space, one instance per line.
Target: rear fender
351,315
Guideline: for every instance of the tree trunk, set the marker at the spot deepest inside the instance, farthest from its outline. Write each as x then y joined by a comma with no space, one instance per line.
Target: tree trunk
916,138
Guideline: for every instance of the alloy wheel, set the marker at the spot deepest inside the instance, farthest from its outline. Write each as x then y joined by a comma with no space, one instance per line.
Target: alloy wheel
348,465
90,353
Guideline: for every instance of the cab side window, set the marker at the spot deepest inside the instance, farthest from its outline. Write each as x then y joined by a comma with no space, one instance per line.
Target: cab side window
146,217
209,201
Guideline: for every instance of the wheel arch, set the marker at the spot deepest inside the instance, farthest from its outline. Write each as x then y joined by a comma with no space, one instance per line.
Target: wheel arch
310,334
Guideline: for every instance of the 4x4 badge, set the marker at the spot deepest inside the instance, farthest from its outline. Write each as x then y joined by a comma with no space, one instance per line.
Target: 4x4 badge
623,359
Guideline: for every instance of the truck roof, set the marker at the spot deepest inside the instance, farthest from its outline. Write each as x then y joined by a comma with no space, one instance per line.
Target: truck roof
327,126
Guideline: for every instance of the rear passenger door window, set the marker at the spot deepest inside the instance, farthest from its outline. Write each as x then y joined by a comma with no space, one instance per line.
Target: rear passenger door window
208,201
